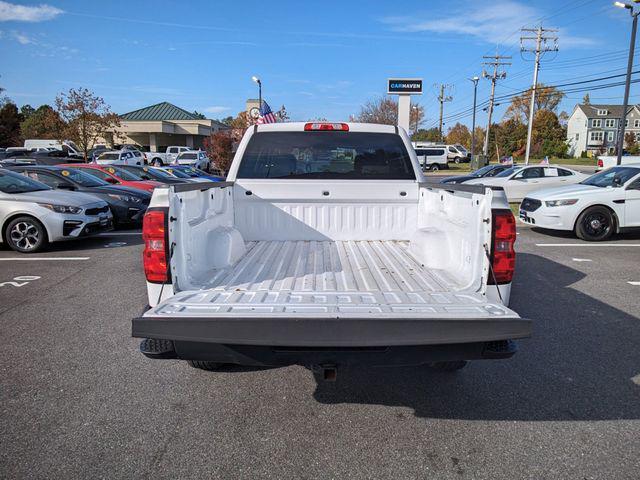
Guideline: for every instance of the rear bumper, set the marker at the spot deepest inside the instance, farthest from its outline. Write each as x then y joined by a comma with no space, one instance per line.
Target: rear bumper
324,332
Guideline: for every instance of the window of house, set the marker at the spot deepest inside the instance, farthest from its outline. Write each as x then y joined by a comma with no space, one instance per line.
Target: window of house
636,124
596,123
602,112
609,136
597,136
577,137
637,136
609,123
626,123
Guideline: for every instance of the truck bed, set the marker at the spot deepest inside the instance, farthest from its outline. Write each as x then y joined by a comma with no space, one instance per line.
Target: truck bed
329,278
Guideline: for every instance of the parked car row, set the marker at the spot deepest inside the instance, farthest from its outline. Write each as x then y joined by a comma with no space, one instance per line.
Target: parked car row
40,204
594,207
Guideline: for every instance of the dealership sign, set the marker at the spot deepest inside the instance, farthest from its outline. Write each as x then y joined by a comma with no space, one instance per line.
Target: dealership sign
404,86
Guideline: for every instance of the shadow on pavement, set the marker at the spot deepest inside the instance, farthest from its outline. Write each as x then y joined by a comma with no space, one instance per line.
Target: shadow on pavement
630,235
106,240
578,365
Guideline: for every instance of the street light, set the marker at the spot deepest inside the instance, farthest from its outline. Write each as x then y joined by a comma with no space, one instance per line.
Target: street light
257,80
627,84
473,122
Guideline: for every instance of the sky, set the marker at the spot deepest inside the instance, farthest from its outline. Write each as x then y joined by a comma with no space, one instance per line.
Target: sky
319,59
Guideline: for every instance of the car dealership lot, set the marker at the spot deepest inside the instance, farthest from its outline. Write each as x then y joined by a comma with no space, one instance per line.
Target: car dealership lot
79,401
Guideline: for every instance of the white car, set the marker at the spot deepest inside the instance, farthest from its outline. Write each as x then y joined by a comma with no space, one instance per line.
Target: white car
121,157
601,205
32,214
197,159
519,181
608,161
431,157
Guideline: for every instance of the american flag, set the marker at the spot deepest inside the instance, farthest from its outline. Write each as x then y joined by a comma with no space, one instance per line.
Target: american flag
266,115
545,161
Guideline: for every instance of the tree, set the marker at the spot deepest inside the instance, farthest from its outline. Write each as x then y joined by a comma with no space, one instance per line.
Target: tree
459,134
586,99
199,115
219,148
226,120
547,98
44,122
87,117
549,137
26,111
10,125
385,110
282,114
631,143
430,135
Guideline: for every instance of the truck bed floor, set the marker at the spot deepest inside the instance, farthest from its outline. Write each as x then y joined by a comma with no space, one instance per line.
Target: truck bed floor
329,277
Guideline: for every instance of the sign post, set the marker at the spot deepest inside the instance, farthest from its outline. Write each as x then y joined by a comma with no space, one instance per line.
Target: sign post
404,88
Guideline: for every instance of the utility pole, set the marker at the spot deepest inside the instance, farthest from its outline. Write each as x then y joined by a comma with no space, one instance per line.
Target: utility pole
443,98
541,47
473,122
496,62
627,84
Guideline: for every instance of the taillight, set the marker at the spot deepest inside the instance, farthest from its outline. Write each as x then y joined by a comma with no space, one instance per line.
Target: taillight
156,253
340,127
600,163
503,256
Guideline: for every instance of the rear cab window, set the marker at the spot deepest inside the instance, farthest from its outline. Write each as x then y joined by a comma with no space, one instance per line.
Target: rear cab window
326,155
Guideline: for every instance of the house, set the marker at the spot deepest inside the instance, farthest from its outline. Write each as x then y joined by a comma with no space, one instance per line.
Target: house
156,127
594,128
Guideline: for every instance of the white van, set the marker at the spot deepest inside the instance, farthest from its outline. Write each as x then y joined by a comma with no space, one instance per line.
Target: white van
431,157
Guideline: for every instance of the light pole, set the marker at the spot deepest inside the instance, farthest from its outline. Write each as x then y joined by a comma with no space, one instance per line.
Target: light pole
259,82
627,84
473,121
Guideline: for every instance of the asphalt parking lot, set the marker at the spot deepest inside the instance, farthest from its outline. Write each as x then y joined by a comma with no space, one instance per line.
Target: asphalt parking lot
79,401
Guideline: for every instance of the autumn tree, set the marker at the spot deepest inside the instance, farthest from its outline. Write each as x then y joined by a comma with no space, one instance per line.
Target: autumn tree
384,110
219,148
459,134
547,98
87,117
43,122
430,135
586,99
10,125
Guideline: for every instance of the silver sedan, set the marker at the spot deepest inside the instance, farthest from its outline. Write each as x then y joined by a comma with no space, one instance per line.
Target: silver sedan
32,214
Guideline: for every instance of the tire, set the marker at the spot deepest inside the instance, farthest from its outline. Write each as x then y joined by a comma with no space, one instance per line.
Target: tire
595,224
156,162
435,167
448,366
25,235
205,365
457,160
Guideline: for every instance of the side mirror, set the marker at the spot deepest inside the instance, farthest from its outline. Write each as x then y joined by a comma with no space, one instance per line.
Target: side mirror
111,180
65,186
617,182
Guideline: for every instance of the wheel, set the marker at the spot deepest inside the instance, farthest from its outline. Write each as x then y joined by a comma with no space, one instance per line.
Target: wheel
25,235
457,159
448,366
156,162
205,365
595,224
435,167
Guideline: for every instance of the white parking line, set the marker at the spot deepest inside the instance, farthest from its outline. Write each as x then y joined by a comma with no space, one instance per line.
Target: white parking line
595,244
34,259
581,259
635,284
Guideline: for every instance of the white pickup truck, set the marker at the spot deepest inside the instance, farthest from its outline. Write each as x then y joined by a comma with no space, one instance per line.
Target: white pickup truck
607,161
158,159
326,247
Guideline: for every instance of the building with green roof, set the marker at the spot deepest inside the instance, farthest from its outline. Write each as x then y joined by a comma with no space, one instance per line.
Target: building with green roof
156,127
